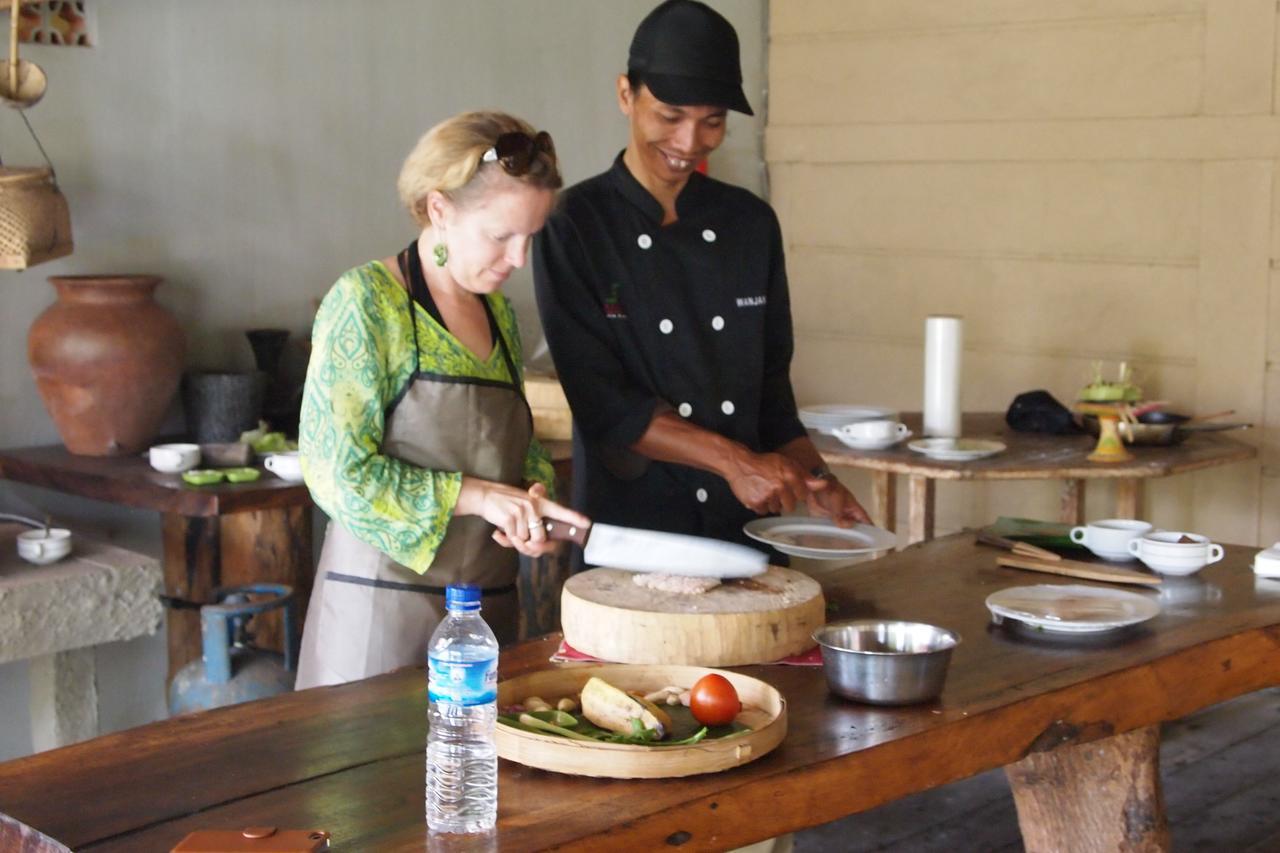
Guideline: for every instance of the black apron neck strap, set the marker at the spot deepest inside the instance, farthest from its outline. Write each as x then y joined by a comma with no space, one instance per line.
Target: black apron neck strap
411,269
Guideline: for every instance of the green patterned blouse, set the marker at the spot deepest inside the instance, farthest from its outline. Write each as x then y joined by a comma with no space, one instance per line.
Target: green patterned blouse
361,360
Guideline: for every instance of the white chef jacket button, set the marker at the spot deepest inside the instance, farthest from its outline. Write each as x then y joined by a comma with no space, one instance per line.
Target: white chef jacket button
717,322
709,235
644,241
701,495
685,410
727,407
666,326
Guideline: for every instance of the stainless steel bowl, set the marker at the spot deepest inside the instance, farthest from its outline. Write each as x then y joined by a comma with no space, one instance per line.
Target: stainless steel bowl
885,663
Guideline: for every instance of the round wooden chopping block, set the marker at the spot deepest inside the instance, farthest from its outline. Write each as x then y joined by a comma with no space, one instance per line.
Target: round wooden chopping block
744,621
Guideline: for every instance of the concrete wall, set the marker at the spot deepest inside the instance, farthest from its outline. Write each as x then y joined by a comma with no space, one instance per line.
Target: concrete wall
247,151
1081,179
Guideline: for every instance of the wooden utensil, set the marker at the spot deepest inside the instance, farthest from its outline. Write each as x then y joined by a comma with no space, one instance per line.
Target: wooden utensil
1021,549
1077,569
1196,419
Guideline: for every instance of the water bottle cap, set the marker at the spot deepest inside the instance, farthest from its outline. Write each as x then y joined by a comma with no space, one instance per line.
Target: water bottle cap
462,597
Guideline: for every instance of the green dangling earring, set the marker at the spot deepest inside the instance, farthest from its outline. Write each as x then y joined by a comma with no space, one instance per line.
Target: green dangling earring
441,253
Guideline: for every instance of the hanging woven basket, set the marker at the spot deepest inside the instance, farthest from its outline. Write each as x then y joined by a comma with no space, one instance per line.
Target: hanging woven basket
35,223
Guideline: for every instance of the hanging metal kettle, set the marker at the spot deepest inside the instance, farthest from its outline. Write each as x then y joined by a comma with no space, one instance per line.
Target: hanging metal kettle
232,670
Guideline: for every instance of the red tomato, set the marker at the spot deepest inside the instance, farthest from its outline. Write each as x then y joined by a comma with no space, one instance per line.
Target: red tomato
713,701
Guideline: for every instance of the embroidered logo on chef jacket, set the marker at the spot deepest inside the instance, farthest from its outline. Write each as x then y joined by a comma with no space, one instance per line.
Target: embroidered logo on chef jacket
752,301
612,307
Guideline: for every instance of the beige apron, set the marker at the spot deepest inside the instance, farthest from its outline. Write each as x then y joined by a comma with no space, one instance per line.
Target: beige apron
368,614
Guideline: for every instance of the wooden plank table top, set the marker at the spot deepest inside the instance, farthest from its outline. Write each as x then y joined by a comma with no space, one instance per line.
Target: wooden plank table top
1029,456
349,759
1038,456
130,481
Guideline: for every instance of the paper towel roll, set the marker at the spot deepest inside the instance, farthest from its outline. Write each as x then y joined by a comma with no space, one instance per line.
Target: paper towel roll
943,344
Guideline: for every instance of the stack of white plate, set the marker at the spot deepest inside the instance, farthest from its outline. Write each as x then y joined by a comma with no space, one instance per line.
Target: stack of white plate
823,419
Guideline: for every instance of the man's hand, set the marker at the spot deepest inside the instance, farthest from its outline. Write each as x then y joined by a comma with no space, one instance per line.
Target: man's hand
836,502
767,483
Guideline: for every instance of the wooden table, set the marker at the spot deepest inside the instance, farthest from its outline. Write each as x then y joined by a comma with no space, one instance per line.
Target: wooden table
1075,723
213,536
1030,456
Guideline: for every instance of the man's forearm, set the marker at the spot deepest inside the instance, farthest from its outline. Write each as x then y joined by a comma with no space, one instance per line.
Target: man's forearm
670,438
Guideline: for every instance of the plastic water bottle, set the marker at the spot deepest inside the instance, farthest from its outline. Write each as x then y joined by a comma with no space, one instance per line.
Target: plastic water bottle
462,688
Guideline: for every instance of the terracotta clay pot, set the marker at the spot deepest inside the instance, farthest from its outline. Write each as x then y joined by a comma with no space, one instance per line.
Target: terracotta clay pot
107,359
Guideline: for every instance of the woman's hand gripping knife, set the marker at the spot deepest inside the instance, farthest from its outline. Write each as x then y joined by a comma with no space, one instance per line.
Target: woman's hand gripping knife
516,514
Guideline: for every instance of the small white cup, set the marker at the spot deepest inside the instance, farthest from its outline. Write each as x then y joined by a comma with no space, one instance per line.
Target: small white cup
879,430
1162,552
36,547
286,465
174,458
1110,537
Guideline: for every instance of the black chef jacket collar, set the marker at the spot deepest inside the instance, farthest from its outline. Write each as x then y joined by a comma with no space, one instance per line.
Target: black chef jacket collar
687,202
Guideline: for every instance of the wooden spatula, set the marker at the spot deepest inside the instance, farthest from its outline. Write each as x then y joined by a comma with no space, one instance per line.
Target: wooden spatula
1077,569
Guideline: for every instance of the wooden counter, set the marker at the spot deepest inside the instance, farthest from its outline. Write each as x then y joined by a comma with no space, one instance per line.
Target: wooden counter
349,759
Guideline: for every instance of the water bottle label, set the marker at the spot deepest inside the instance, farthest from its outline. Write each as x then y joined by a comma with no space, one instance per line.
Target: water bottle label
462,682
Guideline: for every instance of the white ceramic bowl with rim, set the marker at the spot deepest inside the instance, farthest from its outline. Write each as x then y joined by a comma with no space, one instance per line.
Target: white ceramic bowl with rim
1161,551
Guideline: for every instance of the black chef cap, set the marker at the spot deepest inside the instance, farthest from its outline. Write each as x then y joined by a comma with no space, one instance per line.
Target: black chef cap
687,54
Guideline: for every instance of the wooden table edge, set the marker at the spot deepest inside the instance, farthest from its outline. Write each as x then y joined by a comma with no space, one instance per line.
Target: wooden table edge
1090,711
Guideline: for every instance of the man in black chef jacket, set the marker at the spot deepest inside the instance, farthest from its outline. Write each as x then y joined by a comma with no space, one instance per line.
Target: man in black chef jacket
663,297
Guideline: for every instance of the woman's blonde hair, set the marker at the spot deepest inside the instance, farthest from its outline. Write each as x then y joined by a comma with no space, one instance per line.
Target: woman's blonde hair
448,158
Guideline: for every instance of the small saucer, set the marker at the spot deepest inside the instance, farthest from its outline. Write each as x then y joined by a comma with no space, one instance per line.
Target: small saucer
870,443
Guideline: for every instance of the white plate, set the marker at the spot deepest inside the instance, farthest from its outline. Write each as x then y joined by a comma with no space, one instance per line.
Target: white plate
828,417
789,534
869,443
957,449
1071,608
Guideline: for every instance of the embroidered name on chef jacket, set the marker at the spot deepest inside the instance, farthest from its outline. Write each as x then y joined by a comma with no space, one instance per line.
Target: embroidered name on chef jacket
752,301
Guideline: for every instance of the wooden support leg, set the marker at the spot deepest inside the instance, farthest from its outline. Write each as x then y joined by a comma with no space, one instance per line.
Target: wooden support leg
1128,498
920,505
192,565
884,499
1102,795
270,546
64,699
1071,504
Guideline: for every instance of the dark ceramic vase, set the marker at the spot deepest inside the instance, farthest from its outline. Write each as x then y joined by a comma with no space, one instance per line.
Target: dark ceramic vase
107,359
220,406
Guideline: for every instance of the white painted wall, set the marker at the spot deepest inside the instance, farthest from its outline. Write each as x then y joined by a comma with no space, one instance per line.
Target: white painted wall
247,152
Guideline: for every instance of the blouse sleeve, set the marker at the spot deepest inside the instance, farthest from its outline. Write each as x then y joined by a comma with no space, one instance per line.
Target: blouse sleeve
398,508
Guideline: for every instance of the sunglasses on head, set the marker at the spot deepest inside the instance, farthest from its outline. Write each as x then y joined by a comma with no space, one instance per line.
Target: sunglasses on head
516,151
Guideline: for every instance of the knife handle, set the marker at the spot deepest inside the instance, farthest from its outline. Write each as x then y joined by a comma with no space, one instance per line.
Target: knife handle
565,532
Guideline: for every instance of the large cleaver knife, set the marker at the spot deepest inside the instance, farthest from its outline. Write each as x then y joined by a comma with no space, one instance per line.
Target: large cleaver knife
637,550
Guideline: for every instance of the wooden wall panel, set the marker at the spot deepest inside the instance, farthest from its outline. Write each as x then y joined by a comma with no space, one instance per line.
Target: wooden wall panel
1080,179
1111,67
805,17
1142,212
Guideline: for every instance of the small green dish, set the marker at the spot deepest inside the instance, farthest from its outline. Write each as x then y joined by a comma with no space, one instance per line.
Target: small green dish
202,476
242,475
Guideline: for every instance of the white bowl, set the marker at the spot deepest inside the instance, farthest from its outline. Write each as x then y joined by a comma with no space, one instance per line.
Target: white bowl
1161,551
174,458
43,547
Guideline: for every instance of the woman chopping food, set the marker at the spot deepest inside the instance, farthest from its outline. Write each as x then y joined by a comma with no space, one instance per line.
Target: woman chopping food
415,435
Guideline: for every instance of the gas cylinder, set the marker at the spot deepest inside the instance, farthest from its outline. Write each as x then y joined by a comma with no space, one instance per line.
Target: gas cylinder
232,669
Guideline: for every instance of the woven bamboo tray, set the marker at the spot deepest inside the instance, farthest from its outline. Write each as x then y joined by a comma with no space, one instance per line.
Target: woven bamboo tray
764,710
